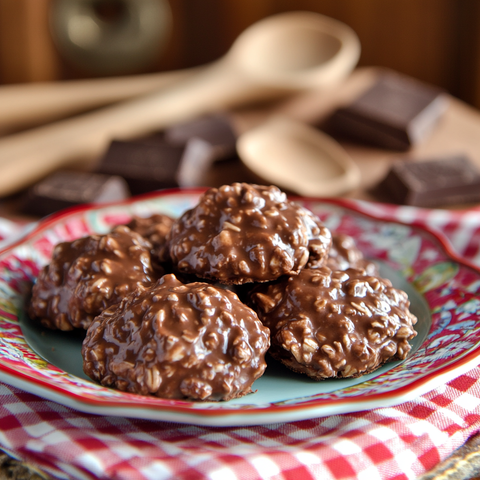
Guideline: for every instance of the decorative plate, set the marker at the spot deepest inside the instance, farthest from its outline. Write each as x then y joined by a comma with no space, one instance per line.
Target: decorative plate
443,289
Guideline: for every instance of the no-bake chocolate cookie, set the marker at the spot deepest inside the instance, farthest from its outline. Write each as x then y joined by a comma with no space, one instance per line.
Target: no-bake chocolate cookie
243,233
88,275
335,324
172,340
155,229
344,254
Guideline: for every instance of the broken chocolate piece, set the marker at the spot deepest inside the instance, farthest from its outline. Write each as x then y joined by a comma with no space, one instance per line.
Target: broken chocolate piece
65,189
216,130
433,183
145,166
395,113
197,158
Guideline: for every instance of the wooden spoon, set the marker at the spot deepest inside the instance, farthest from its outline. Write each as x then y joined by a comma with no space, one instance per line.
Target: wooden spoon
274,57
29,104
299,158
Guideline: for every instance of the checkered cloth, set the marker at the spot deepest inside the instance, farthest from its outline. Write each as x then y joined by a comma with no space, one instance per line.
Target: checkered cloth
400,442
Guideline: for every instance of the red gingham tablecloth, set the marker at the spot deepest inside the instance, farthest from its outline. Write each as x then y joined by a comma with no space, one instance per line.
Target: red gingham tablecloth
399,442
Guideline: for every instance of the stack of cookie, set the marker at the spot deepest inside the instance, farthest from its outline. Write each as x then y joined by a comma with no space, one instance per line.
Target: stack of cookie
202,298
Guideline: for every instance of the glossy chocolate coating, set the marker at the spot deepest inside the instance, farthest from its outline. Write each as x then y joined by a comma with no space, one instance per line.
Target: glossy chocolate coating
243,233
179,341
88,275
335,324
155,229
344,254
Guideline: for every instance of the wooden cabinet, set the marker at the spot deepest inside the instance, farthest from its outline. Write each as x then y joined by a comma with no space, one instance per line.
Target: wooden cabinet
434,40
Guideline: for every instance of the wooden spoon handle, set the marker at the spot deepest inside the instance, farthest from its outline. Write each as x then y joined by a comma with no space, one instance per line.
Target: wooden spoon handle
28,156
34,103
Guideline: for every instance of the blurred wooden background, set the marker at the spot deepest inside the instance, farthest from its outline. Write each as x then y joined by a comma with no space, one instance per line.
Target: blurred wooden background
433,40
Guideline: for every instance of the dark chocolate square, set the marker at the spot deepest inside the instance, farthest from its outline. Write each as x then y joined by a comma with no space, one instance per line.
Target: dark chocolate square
197,158
433,183
214,129
145,166
396,112
64,189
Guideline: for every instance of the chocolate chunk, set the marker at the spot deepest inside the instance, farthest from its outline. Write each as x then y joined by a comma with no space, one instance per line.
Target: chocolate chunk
216,130
244,233
335,324
65,189
433,183
145,166
194,342
155,138
197,158
395,113
88,275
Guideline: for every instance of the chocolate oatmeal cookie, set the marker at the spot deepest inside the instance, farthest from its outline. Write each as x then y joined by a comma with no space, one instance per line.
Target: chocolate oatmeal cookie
194,341
335,324
88,275
155,229
243,233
